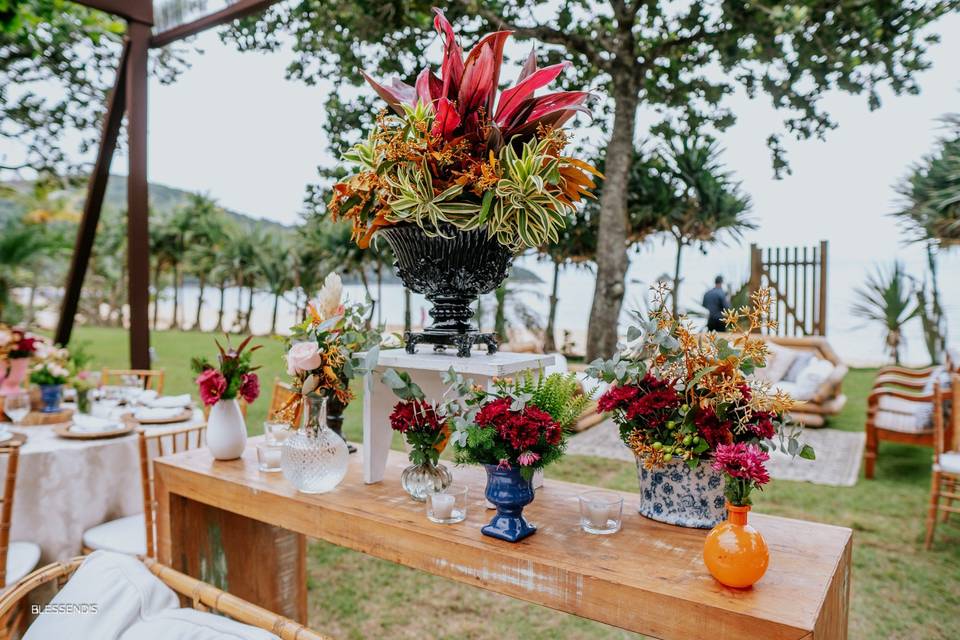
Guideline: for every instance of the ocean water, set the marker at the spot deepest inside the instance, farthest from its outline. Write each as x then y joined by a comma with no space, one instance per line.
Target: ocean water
858,342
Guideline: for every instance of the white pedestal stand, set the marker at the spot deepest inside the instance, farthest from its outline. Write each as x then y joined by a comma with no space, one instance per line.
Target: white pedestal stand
425,369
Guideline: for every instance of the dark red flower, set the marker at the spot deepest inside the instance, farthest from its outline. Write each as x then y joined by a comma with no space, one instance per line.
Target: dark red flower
415,415
212,384
249,387
520,429
711,428
761,424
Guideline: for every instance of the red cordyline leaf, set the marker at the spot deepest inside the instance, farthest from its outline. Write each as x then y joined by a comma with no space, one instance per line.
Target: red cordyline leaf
447,119
529,66
477,77
429,87
452,68
533,109
399,93
495,41
512,98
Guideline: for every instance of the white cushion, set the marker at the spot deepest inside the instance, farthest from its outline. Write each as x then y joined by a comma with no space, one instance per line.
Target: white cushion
949,462
812,376
22,558
187,624
559,364
779,360
120,589
902,422
125,535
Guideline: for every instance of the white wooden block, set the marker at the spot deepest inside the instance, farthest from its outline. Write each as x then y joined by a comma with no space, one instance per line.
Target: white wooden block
425,369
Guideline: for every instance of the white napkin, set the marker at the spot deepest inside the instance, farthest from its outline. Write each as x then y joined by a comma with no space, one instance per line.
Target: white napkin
170,402
83,423
147,396
147,413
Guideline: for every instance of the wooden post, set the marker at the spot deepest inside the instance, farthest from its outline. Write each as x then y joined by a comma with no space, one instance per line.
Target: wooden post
96,188
823,288
138,236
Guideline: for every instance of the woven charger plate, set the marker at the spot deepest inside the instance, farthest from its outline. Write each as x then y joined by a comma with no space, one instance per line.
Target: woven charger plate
63,430
183,416
38,418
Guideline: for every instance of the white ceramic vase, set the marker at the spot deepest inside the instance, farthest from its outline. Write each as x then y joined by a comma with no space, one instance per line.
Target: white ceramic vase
226,430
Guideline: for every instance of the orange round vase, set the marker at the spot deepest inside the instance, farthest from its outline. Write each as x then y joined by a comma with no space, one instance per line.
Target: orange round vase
735,553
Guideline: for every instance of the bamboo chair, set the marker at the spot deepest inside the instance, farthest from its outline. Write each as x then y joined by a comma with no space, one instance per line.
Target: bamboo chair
123,534
282,392
199,595
945,480
19,558
150,378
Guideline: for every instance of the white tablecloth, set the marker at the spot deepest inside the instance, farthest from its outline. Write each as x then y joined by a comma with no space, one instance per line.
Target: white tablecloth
65,487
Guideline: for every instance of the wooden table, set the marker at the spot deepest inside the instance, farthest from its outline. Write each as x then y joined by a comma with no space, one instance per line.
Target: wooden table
228,523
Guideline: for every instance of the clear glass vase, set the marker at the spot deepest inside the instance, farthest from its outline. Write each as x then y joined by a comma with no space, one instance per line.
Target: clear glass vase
314,459
419,480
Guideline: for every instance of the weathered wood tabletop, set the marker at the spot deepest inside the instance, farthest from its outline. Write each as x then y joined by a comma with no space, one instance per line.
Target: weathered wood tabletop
228,523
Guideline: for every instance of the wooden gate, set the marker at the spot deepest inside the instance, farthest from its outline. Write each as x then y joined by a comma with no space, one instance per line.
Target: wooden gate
797,279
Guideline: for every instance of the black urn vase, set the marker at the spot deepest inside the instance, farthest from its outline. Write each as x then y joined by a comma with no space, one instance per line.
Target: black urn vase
451,270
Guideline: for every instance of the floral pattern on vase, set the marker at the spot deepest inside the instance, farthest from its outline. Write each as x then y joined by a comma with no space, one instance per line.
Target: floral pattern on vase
681,496
51,396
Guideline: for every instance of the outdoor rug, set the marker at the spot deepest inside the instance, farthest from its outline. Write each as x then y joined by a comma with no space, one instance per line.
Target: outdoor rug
838,454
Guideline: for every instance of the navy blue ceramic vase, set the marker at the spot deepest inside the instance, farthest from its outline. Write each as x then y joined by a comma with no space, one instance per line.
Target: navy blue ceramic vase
51,395
509,493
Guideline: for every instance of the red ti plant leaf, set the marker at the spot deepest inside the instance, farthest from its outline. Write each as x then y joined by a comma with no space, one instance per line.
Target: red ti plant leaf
451,70
447,119
535,108
495,41
477,85
429,87
529,66
396,95
512,98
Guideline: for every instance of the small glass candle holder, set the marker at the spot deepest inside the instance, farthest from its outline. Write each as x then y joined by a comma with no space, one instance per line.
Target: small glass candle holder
268,456
448,506
601,512
275,432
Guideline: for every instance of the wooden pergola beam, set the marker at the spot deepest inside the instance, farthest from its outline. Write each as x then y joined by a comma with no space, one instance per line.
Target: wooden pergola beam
96,188
235,11
130,95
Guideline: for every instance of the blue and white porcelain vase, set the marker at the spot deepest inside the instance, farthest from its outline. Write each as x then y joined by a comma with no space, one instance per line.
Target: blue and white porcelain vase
51,395
681,496
509,493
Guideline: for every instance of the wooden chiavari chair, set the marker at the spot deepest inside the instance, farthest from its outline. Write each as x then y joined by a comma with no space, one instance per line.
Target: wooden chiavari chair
150,378
945,479
17,559
136,534
282,392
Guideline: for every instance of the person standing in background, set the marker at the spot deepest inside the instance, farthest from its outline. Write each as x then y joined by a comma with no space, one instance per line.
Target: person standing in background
715,301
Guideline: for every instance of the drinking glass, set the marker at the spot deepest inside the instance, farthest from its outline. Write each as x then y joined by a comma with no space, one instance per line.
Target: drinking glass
17,406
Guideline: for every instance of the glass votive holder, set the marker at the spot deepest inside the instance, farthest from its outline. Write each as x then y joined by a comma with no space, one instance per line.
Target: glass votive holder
275,432
601,512
448,506
268,456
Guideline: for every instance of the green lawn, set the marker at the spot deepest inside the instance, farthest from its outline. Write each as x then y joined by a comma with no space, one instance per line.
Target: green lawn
899,590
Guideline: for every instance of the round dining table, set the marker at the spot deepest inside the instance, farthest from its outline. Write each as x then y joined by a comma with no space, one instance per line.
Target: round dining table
66,486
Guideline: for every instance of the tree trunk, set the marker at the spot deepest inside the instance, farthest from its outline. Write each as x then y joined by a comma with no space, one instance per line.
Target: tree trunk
676,278
175,321
273,318
203,285
612,259
223,303
549,339
500,319
407,310
249,312
156,297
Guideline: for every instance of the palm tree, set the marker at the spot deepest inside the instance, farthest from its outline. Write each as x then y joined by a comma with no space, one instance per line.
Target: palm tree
706,204
931,214
240,253
888,299
577,245
19,245
206,234
275,265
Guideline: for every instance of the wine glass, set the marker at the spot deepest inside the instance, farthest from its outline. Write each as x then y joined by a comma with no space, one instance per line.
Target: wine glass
17,405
